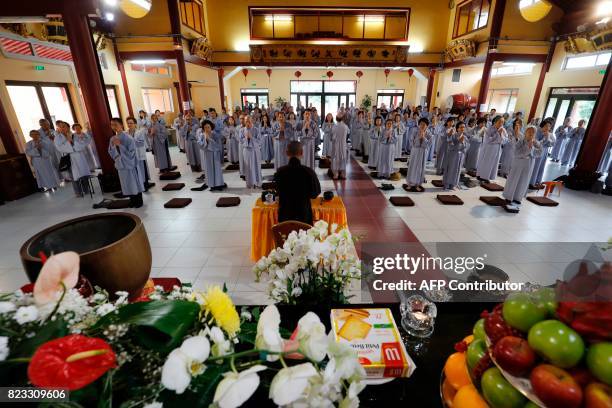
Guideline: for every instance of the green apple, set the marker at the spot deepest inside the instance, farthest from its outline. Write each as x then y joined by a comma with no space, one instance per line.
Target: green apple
599,361
556,343
547,298
475,351
479,331
498,392
531,405
521,311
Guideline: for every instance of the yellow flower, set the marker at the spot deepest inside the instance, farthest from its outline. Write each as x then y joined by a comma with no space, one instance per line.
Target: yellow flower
222,309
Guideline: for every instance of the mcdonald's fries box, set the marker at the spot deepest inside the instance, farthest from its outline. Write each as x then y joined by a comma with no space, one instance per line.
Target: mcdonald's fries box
374,335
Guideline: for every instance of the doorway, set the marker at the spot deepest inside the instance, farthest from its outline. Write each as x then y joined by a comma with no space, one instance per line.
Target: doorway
391,98
254,97
325,96
575,103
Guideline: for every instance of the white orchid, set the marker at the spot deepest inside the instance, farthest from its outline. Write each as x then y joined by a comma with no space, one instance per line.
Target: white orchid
236,388
291,383
268,332
184,362
221,345
312,337
4,348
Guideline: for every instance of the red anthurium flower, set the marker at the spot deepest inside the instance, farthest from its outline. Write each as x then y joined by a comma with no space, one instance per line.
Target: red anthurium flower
71,362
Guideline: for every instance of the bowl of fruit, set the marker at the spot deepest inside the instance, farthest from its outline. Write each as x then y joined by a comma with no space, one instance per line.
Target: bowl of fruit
532,351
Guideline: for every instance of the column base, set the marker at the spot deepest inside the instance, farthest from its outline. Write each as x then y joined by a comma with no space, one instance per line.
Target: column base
580,179
109,182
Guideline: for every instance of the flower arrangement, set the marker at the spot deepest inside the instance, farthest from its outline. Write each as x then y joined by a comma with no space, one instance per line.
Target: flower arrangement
311,267
172,348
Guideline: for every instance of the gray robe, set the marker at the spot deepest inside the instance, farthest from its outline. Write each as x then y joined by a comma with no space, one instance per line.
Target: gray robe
55,154
40,155
240,152
375,135
126,164
540,162
455,154
339,148
573,146
327,137
188,132
251,156
418,158
507,156
399,130
561,134
605,159
79,165
140,141
177,124
441,142
307,138
267,143
520,172
84,144
490,153
232,143
280,144
359,133
386,153
159,145
212,157
473,152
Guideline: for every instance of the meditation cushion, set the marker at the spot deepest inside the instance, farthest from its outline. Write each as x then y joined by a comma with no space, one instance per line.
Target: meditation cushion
449,199
492,186
324,163
268,185
178,203
171,175
493,200
437,183
228,201
400,201
543,201
117,204
266,165
232,167
173,186
395,176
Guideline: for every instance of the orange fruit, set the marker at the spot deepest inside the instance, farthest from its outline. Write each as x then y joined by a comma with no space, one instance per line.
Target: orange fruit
469,339
448,393
456,371
468,397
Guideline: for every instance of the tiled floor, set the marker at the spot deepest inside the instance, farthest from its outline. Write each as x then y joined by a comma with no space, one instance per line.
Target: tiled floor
203,244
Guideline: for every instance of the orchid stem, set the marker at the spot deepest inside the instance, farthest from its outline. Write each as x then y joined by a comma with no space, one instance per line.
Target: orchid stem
232,365
17,360
282,360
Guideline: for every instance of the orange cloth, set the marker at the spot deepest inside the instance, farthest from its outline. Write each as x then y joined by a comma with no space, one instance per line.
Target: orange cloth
266,215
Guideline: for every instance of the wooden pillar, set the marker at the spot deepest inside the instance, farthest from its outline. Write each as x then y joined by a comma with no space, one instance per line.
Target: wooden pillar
484,82
584,174
124,82
496,25
175,26
87,68
430,83
220,73
545,68
7,134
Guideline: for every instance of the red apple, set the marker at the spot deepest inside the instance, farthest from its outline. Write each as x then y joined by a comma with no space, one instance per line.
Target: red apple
514,355
598,395
582,376
555,387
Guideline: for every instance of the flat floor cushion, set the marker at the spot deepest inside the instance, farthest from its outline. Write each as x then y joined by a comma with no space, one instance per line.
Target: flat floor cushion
173,186
400,201
171,175
232,167
437,183
324,163
267,165
178,203
268,185
543,201
117,204
493,200
449,199
228,201
492,187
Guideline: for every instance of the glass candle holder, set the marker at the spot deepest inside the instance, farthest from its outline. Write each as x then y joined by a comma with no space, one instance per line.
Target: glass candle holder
418,316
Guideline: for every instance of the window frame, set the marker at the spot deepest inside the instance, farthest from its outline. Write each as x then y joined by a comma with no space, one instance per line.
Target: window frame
457,14
596,54
381,92
513,92
257,92
114,89
147,103
184,19
144,70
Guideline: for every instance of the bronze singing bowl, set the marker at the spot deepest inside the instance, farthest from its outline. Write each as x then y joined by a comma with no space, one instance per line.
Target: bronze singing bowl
114,250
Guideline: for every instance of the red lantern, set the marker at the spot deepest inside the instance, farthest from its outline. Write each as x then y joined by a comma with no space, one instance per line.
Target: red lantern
245,72
269,72
297,74
387,72
410,73
329,74
359,75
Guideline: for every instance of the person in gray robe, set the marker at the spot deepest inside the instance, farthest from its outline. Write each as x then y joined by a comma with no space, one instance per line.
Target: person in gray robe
48,134
122,149
40,152
145,122
339,148
84,140
140,136
507,157
158,136
476,138
607,156
490,151
188,132
547,141
283,134
456,146
410,122
241,125
232,142
435,128
526,151
375,135
211,147
327,128
357,132
400,130
307,131
267,138
386,150
574,141
177,124
421,145
251,145
561,135
79,168
442,140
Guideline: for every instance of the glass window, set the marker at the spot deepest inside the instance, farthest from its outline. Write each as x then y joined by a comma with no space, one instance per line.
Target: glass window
517,68
587,61
192,15
27,108
154,99
339,86
254,90
58,103
113,102
502,100
470,16
151,69
306,86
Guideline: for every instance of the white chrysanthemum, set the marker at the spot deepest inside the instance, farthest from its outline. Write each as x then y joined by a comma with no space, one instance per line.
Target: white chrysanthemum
7,307
26,314
105,309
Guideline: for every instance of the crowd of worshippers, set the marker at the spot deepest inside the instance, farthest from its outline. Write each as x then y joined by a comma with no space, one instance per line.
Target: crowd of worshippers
489,145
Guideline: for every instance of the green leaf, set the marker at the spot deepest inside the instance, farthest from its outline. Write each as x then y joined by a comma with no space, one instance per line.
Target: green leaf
248,332
160,324
48,331
106,399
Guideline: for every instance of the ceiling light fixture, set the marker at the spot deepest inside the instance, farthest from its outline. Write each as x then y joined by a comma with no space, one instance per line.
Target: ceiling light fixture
112,3
148,62
278,17
145,4
25,19
604,8
371,19
109,16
